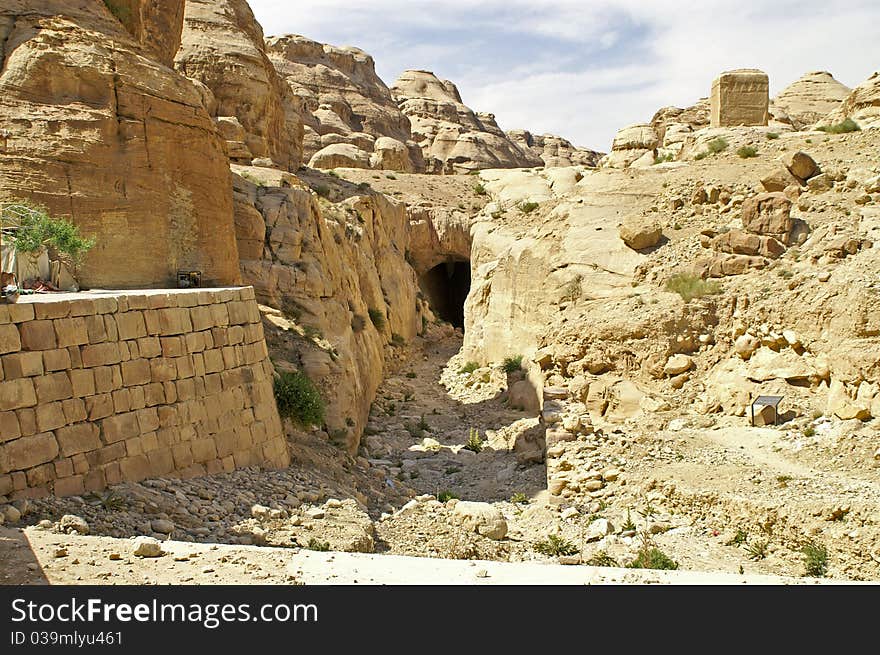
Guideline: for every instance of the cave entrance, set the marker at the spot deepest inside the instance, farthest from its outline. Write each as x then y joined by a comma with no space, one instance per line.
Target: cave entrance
447,286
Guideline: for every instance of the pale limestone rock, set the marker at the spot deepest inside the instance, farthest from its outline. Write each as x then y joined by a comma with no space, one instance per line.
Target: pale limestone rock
483,518
678,364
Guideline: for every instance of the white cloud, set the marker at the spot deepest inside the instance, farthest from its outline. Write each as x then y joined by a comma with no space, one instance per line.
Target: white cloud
608,62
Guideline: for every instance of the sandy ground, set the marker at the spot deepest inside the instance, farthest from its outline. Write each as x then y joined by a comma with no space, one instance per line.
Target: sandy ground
30,557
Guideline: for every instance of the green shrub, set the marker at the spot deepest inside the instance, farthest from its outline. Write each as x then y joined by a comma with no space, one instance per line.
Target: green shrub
528,207
391,176
602,559
739,538
470,367
445,496
809,431
474,442
334,174
519,498
315,544
411,375
298,398
772,135
321,190
815,559
701,155
747,152
377,317
554,546
651,557
757,549
849,125
690,286
659,159
480,190
512,364
397,339
35,230
717,145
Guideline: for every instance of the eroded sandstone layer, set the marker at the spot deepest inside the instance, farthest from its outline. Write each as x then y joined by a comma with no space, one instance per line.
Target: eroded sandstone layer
102,132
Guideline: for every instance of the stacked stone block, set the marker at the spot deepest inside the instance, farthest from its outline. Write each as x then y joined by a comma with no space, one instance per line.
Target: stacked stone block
99,389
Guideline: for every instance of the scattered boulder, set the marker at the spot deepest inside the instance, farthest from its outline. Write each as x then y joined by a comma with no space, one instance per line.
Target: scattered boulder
162,526
147,547
801,165
639,233
745,345
678,364
71,523
768,214
340,155
483,518
779,179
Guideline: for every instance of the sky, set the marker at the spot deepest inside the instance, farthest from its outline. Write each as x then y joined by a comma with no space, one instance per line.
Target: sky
582,69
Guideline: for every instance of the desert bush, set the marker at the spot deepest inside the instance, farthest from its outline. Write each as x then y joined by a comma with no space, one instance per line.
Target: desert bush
602,559
772,135
470,367
445,496
377,317
554,546
747,152
659,159
528,207
690,286
512,364
475,441
298,399
519,498
717,145
480,190
849,125
321,546
815,559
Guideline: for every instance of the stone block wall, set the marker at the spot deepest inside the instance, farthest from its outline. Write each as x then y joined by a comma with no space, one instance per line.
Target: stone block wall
100,388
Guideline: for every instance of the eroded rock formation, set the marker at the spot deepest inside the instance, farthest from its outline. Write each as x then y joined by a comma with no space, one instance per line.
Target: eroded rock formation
810,98
344,102
222,47
453,138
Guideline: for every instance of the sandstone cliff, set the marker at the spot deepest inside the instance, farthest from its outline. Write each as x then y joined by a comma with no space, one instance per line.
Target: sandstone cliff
344,101
335,265
259,116
862,105
453,138
102,132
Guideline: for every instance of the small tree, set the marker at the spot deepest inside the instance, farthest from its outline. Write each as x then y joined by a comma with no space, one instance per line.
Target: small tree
33,230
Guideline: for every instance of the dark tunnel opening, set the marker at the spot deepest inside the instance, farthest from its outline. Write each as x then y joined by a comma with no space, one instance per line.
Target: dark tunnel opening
447,286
